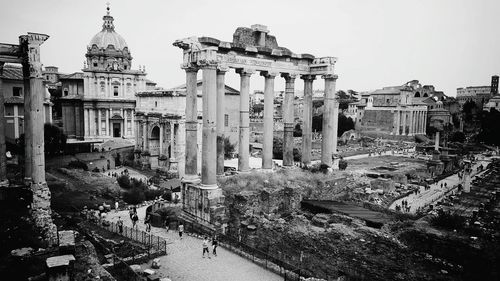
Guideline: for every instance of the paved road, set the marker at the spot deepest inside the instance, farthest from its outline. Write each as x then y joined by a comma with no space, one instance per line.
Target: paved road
185,263
435,193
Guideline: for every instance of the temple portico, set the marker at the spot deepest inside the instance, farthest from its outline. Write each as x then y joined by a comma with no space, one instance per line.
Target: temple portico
252,51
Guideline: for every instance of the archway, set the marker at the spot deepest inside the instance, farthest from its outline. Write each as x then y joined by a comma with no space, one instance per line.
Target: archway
155,133
417,94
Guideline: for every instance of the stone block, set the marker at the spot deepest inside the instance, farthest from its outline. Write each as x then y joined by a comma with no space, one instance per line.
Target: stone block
148,272
156,263
136,268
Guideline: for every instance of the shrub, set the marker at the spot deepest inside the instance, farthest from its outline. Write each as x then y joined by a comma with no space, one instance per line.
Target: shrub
228,148
167,195
77,164
124,182
448,221
342,164
133,196
151,194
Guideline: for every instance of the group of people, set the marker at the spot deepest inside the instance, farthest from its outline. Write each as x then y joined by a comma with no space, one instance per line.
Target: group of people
206,246
404,206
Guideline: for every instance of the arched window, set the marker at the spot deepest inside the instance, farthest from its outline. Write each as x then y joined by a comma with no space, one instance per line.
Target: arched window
425,95
115,91
417,94
155,133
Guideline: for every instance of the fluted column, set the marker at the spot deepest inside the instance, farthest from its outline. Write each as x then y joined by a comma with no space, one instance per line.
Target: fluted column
288,119
144,134
328,122
160,152
209,136
191,151
244,153
267,150
307,119
3,160
221,111
108,129
397,120
404,117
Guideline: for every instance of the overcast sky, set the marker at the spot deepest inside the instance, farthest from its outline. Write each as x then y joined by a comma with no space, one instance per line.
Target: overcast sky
446,43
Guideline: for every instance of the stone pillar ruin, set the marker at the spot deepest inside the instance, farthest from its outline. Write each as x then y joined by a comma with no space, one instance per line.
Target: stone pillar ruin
244,142
3,160
160,152
267,150
328,122
221,111
436,141
40,206
191,170
307,119
209,134
288,119
335,121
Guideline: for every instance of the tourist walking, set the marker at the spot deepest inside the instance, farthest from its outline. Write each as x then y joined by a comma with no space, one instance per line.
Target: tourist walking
181,230
120,225
205,248
215,243
147,222
116,206
135,218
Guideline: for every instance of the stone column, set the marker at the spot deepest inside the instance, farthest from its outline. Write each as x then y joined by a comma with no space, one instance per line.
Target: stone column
40,206
436,141
397,117
244,142
425,122
172,151
3,160
288,119
160,152
209,136
307,119
335,123
267,149
221,111
92,122
144,134
108,129
99,122
328,122
191,151
410,123
132,122
404,117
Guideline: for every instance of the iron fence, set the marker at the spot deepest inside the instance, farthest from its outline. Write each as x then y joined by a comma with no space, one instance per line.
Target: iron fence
156,245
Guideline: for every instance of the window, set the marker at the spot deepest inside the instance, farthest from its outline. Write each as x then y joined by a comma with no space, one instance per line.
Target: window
115,90
156,104
65,92
95,64
226,120
16,91
102,87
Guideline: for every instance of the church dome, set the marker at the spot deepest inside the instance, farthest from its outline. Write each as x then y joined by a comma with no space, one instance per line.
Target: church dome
108,35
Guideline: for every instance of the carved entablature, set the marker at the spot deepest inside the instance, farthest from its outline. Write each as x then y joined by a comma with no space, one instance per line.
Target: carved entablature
252,48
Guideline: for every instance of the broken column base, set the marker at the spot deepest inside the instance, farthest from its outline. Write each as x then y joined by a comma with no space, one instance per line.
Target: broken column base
41,213
202,203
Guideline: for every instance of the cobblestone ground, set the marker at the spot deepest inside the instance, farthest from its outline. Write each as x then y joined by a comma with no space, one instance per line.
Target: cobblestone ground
184,261
426,197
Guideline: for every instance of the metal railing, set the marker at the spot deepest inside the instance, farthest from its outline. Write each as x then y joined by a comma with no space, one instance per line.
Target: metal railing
156,245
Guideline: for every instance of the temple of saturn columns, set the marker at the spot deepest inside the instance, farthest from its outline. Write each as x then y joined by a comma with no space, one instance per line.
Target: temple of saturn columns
27,53
253,51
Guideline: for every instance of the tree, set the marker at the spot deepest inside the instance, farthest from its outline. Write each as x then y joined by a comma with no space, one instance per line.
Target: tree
457,137
258,108
489,132
277,148
55,139
469,109
317,123
297,131
345,124
228,148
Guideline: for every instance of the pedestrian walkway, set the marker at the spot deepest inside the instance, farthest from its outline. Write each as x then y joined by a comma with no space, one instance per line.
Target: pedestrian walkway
184,261
426,197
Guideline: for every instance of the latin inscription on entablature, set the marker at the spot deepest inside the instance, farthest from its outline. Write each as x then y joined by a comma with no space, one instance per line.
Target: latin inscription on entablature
261,64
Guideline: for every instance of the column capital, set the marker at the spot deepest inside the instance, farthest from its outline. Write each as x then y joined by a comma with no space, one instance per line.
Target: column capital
330,76
245,71
207,64
222,68
269,74
289,76
308,77
188,67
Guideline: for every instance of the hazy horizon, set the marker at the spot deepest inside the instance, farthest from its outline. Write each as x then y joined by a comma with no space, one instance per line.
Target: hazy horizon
448,44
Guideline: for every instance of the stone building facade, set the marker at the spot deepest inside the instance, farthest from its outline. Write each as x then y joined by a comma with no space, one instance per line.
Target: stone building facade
160,125
478,94
13,93
99,103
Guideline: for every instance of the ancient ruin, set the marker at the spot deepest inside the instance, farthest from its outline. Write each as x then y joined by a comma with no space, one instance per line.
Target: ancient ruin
253,50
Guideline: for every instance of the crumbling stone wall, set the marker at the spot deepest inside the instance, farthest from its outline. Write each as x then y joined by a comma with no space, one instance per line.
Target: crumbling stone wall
41,212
